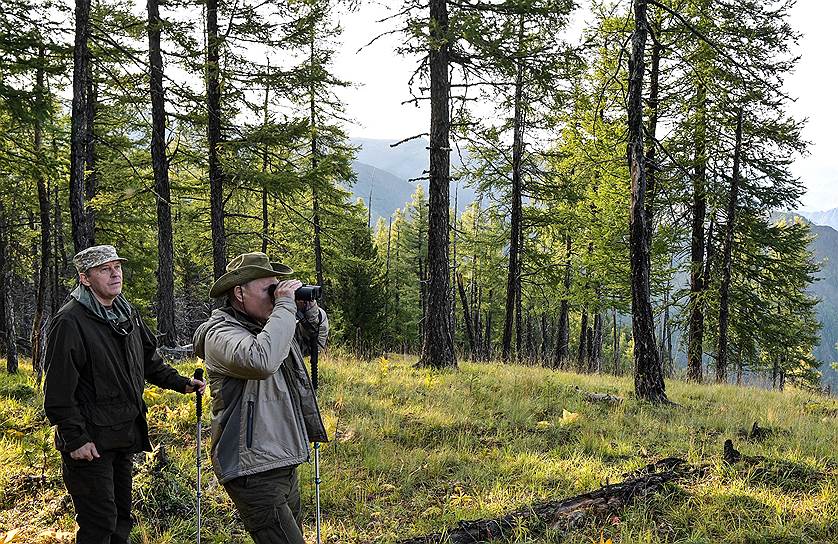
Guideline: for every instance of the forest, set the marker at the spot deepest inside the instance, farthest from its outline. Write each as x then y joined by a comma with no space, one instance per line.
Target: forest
624,179
627,280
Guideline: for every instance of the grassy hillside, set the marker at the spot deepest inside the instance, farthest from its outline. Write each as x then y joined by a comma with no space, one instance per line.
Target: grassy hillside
415,451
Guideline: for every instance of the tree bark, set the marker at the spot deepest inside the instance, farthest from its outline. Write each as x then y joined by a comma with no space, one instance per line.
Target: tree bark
78,127
724,288
438,344
648,374
41,317
8,316
216,173
315,161
582,355
470,329
90,179
513,278
699,208
166,326
563,339
596,351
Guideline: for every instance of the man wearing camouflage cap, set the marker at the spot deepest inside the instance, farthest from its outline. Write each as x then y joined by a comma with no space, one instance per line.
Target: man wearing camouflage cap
99,355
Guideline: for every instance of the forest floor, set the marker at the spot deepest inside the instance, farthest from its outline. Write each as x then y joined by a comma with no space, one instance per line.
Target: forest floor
415,451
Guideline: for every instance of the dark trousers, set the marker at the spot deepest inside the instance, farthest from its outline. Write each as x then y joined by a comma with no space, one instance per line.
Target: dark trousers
269,505
101,492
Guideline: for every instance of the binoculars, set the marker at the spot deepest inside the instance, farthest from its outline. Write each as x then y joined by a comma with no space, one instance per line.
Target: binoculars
305,293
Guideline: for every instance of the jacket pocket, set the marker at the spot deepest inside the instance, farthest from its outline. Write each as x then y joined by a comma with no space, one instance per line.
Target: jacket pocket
249,430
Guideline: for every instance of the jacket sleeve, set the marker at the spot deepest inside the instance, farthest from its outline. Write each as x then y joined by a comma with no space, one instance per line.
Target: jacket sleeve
313,320
236,352
155,369
64,358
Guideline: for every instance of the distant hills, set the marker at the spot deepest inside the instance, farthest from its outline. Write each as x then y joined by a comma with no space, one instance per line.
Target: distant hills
387,171
824,246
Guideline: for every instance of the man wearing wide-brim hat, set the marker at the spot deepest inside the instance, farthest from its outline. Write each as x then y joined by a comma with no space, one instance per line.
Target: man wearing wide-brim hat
264,410
99,355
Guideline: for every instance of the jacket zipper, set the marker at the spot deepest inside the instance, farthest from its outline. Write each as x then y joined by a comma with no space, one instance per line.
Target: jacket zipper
249,438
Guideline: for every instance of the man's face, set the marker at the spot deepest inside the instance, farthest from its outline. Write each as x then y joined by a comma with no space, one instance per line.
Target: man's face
255,299
104,280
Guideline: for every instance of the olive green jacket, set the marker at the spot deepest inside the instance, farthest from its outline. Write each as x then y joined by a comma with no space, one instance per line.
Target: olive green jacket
264,410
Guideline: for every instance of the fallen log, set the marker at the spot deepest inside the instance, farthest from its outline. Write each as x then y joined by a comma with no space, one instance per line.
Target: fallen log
599,397
567,513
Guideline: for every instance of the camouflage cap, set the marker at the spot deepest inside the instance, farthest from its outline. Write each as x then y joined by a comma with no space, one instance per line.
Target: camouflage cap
95,256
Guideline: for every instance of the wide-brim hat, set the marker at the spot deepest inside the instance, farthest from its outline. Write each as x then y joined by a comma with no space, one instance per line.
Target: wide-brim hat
247,267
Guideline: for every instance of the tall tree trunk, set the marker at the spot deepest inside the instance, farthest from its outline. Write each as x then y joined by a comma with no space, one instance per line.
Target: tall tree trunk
648,374
6,269
563,340
616,343
78,127
582,355
315,160
695,341
513,278
470,329
438,344
487,348
651,147
90,179
724,288
387,289
216,173
42,315
454,267
160,164
596,352
265,167
544,346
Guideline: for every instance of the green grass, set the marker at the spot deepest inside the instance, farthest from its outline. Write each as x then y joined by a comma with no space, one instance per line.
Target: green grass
415,451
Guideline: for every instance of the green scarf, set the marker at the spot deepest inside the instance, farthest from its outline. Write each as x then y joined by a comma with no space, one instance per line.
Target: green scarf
119,312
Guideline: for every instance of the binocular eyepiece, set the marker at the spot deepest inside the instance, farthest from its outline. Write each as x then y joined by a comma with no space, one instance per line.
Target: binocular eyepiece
305,293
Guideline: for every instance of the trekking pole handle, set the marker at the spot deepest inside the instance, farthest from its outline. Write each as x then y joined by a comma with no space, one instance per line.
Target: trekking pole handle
199,375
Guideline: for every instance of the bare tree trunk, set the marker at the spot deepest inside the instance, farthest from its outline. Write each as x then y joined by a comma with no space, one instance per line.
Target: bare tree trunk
487,349
454,267
90,180
78,127
438,344
596,352
543,347
216,173
315,158
42,315
470,329
724,288
582,356
648,377
563,340
513,278
616,343
699,208
7,270
166,325
265,167
651,149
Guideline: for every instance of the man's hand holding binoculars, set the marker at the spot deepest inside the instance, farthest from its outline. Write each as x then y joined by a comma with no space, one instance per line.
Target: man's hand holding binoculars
286,288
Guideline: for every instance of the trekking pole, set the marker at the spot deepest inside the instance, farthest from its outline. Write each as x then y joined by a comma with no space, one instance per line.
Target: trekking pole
199,375
314,351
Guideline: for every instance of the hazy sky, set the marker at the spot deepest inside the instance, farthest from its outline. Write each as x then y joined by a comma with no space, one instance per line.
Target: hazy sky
381,77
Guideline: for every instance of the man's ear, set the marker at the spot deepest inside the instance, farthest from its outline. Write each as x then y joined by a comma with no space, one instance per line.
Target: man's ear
84,279
238,293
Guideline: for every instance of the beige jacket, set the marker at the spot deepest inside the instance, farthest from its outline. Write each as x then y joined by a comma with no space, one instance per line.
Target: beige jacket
264,410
